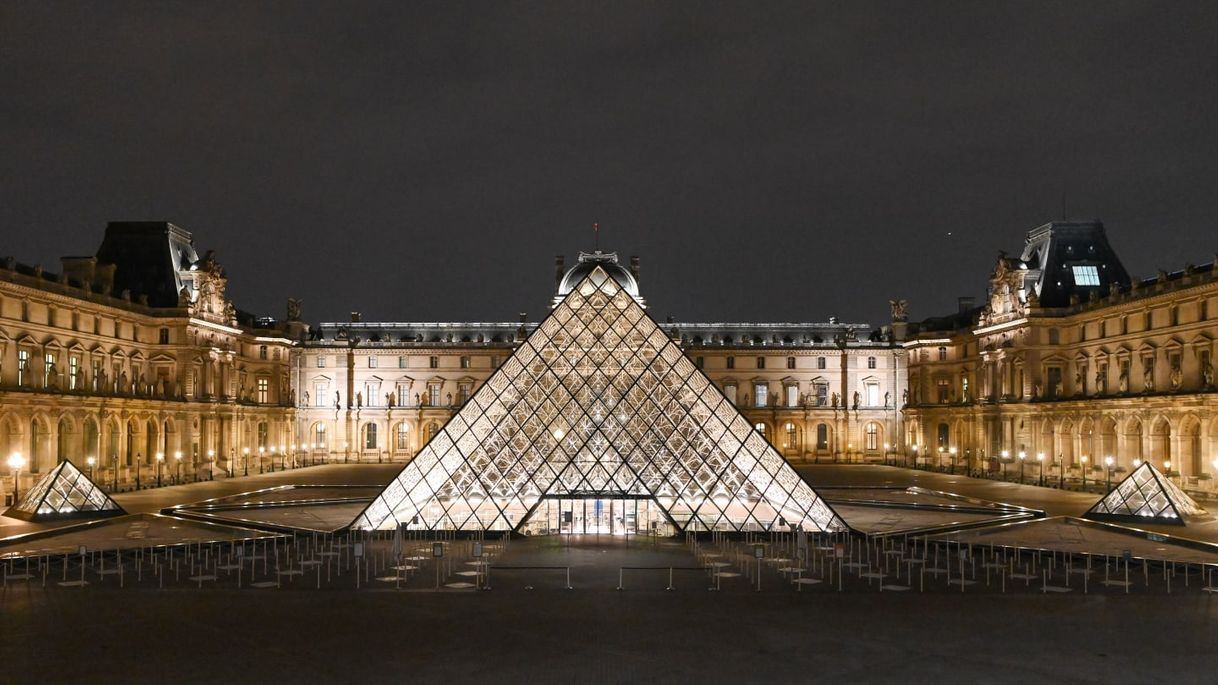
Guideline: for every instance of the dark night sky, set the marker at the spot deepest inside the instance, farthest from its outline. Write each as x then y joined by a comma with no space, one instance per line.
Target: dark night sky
424,161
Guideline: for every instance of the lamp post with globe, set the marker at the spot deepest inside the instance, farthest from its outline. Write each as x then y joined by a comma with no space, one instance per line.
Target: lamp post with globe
15,462
1040,459
1107,474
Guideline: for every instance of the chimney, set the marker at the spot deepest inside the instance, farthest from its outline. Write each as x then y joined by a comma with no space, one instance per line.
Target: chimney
354,317
963,304
559,269
634,266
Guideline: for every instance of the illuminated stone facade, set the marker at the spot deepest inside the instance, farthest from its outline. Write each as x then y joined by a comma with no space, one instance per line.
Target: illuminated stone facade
133,353
1073,359
818,391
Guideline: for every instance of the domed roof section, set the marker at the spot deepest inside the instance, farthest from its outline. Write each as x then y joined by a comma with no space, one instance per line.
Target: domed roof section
589,261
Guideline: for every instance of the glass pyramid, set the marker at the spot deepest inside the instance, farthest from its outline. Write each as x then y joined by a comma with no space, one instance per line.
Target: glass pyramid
598,403
1146,495
65,492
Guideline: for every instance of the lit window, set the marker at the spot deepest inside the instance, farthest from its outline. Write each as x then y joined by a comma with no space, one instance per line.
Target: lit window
370,436
760,428
1086,275
760,392
402,437
73,369
321,394
48,369
872,437
942,354
264,390
465,362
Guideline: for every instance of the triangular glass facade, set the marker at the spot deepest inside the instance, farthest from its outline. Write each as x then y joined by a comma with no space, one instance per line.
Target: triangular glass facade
65,491
598,403
1146,495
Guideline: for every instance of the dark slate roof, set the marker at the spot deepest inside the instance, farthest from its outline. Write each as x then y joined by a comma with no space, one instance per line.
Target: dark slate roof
147,256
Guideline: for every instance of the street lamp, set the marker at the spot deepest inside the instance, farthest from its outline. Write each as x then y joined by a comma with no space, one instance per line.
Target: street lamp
15,462
295,454
1040,459
283,458
245,460
1167,468
139,462
939,464
177,456
1083,461
90,461
1022,457
160,458
952,451
261,458
915,455
1005,457
211,465
1107,474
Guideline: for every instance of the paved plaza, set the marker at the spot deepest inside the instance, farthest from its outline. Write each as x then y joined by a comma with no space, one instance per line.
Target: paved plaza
891,607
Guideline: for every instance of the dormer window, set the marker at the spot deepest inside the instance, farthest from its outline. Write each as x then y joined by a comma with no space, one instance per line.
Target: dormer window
1086,275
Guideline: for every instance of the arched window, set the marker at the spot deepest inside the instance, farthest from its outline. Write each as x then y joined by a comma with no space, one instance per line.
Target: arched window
792,436
319,435
822,437
760,428
943,435
871,437
263,434
370,436
402,437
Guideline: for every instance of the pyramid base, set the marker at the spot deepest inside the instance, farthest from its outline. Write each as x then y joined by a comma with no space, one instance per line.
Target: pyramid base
34,517
1118,518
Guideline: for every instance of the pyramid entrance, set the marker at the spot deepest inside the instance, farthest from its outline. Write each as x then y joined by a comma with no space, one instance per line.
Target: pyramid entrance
598,420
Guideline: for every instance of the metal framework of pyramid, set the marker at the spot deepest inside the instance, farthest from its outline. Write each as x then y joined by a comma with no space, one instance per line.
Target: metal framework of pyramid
64,492
598,402
1146,495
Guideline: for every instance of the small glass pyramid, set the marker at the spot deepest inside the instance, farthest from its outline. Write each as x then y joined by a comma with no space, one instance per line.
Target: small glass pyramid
1146,495
64,492
599,405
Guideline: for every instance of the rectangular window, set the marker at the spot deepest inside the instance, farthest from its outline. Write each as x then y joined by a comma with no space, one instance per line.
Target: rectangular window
873,394
465,362
699,362
48,369
163,336
403,395
871,362
402,362
792,395
760,392
731,362
321,361
822,394
761,362
820,362
372,362
790,362
371,390
1086,275
942,354
73,369
96,381
463,393
944,390
729,391
433,362
321,394
433,394
262,351
264,390
1202,310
